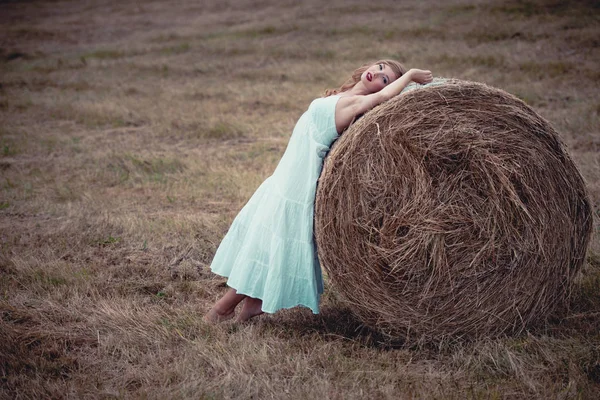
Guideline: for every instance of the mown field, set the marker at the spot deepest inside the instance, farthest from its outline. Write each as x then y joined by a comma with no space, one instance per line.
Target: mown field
131,133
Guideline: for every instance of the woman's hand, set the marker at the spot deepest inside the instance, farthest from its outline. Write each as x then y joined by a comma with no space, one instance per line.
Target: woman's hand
421,76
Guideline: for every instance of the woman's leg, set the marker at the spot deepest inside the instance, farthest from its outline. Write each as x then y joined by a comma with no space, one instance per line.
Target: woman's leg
224,309
252,307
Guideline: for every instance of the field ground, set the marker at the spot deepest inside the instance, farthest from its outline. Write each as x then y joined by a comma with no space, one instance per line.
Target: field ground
131,133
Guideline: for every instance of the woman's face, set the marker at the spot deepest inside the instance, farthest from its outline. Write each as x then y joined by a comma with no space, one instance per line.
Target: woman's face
377,76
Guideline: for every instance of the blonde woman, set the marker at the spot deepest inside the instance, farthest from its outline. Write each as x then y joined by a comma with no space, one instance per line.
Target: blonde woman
269,253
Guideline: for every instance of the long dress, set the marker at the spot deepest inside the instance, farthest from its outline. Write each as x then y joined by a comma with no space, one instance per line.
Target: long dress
269,251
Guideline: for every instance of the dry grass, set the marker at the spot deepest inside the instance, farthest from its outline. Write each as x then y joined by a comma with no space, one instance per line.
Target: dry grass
131,133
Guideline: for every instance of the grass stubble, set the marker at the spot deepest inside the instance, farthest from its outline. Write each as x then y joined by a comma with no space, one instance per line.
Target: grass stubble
130,136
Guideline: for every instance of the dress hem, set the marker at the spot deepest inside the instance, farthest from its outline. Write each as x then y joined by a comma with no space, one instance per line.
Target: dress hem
254,296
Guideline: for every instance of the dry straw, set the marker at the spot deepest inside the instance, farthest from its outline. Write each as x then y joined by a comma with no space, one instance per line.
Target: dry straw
451,211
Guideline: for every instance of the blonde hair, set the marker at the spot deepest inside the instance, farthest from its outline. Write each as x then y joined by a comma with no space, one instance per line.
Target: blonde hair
398,69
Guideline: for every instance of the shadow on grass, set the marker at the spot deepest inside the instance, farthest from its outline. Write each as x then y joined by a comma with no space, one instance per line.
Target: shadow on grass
332,323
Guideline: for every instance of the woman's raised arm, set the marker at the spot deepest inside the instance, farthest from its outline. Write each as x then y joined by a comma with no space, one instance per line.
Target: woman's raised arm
348,107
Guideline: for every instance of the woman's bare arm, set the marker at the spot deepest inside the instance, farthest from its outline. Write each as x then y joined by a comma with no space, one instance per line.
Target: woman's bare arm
348,107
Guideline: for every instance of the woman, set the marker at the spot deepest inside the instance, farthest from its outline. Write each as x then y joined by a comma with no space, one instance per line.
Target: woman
269,252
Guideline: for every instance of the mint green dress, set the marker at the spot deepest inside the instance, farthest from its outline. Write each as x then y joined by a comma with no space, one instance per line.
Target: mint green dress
269,251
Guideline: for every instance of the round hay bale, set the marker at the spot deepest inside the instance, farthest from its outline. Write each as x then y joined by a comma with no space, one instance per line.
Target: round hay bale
451,211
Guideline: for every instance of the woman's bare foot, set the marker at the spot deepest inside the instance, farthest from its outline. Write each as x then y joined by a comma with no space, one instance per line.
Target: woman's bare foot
252,307
214,317
224,309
